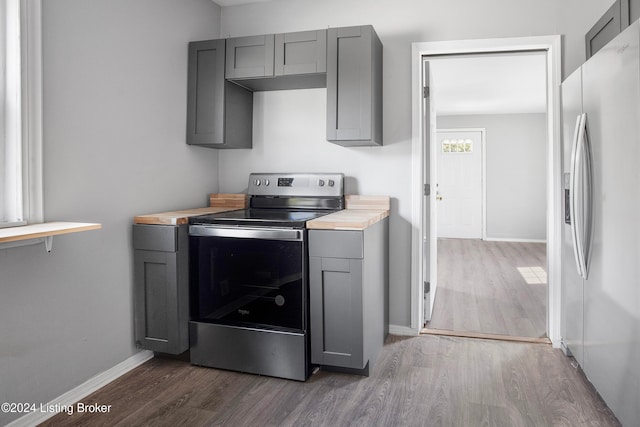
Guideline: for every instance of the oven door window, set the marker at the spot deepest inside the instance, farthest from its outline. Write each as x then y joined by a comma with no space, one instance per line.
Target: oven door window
247,282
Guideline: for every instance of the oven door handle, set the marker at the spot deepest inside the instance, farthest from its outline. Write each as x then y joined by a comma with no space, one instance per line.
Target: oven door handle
247,233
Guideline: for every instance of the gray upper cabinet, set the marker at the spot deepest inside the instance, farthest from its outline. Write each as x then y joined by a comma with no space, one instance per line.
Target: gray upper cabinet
249,57
354,86
619,16
629,12
223,74
607,27
633,9
303,52
219,113
278,62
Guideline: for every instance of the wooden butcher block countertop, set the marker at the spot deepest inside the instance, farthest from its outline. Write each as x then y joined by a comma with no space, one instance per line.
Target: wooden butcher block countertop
361,212
175,217
218,203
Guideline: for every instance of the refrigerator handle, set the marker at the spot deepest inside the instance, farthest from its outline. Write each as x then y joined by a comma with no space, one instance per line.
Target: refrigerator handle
587,193
581,202
574,198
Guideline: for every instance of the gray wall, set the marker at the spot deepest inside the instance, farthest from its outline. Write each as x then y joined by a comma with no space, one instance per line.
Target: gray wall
286,138
115,84
515,172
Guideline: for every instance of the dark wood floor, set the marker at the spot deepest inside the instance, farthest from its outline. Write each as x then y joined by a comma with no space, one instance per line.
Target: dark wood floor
417,381
491,287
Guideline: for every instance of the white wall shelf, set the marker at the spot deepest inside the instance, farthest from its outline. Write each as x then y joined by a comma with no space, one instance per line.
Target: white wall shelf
44,231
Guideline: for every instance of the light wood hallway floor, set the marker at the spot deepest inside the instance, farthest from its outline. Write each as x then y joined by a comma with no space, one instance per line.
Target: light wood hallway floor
417,381
491,287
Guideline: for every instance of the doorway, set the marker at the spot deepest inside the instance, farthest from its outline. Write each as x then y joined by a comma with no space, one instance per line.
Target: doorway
480,287
425,268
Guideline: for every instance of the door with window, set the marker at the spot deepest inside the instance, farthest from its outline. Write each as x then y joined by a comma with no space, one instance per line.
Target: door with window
460,190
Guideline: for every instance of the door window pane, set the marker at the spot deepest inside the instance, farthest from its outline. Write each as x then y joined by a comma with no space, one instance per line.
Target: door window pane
457,146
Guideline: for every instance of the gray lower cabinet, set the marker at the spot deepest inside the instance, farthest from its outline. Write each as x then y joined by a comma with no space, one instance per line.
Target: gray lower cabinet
161,287
219,113
354,86
348,282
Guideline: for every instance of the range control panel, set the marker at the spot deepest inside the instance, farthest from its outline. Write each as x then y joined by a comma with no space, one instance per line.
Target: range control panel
296,184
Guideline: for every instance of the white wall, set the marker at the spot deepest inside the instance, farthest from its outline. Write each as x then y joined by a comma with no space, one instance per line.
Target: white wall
299,143
115,85
515,172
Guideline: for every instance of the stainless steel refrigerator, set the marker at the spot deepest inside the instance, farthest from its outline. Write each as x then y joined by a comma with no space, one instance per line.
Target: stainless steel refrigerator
601,254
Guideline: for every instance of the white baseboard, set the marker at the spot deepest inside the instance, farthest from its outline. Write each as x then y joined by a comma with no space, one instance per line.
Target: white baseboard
72,396
513,239
403,330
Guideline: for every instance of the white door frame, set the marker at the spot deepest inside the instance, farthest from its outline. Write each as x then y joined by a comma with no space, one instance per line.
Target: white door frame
483,166
552,46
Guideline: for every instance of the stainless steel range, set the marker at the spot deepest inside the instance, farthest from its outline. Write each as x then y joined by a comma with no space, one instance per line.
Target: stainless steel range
249,282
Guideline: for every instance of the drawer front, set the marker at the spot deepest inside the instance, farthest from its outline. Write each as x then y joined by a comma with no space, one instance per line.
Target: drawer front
336,244
155,237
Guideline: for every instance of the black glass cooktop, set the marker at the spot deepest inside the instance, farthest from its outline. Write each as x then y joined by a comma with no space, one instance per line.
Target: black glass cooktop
259,218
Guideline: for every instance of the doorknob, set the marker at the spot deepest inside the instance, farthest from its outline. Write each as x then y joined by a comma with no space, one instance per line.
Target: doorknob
439,197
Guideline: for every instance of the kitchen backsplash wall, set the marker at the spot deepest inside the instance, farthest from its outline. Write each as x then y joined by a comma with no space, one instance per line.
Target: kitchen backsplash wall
289,136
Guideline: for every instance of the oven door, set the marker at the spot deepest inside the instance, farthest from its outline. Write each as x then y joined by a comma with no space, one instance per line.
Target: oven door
252,277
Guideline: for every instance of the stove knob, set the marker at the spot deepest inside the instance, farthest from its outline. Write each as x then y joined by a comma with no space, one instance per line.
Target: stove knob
331,183
257,182
266,182
321,182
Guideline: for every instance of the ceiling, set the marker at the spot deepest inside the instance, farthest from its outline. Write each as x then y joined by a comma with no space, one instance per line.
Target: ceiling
489,84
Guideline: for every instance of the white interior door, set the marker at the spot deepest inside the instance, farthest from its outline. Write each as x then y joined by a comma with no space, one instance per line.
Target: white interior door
429,208
459,193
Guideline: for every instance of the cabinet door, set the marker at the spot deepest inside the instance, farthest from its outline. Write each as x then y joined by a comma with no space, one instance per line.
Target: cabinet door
300,53
336,312
605,30
634,11
629,12
156,302
219,113
250,57
205,93
354,86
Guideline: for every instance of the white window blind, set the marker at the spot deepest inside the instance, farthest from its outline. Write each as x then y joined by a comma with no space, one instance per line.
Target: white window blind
20,113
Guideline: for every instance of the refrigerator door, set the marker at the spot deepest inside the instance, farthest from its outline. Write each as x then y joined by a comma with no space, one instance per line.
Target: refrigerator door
572,293
611,99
